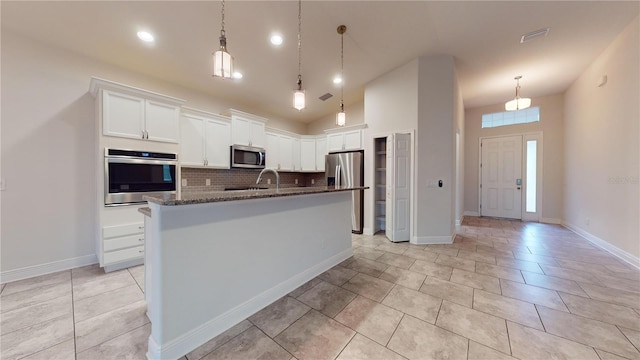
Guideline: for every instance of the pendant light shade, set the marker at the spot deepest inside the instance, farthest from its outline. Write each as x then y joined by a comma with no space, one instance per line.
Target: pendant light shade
299,101
341,117
299,97
222,60
518,103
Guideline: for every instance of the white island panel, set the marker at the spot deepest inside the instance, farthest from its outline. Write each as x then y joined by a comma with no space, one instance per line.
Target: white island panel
211,265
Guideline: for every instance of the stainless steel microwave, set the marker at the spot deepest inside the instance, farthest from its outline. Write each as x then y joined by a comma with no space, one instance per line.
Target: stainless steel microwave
131,174
247,157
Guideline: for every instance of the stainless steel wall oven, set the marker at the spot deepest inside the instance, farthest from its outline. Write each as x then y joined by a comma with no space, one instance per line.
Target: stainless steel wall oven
131,174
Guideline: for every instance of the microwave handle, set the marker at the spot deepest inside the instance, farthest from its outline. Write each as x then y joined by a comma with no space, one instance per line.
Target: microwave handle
261,162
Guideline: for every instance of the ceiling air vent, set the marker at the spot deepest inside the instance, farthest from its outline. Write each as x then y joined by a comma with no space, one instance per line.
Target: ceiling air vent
534,35
325,96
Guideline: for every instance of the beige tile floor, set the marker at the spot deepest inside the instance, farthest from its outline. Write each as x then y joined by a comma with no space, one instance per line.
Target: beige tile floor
502,290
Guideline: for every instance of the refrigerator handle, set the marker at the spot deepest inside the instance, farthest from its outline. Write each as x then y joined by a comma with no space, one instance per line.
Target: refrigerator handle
338,176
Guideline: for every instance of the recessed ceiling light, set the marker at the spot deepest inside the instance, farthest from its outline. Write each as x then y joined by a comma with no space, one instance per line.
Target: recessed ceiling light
145,36
337,80
237,75
276,39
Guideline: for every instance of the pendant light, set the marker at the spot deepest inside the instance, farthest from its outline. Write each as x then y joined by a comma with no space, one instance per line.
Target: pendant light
341,117
298,94
518,103
222,60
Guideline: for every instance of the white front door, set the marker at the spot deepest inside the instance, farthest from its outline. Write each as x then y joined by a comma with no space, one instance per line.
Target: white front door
501,177
398,187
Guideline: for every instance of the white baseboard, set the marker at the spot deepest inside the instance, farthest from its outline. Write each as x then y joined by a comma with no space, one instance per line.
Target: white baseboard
367,231
614,250
207,331
471,213
48,268
551,221
429,240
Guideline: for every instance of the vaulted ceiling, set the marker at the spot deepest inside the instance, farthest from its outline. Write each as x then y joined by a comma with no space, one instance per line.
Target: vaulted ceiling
484,38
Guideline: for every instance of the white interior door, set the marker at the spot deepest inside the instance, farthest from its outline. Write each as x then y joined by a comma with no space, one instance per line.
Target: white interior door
501,177
398,187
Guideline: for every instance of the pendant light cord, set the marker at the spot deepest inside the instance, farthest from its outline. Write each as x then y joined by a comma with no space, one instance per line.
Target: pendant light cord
299,45
222,32
342,71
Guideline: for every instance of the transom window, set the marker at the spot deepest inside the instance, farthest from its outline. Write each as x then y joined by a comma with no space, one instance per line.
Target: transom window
529,115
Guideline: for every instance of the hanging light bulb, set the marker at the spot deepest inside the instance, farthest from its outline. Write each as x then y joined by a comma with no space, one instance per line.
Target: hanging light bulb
298,94
222,60
341,117
518,103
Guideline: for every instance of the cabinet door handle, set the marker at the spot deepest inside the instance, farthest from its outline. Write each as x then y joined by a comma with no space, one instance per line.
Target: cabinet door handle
141,240
141,251
147,134
143,134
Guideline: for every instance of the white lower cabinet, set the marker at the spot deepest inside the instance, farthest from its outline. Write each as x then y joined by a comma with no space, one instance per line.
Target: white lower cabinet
122,243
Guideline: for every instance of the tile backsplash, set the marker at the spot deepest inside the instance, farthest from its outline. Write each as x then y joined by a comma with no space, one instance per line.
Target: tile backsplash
225,178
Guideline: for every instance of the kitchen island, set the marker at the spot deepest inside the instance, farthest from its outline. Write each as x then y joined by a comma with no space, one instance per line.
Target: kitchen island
214,259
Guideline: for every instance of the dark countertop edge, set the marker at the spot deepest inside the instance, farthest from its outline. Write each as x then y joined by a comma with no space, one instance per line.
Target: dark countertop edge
145,210
221,196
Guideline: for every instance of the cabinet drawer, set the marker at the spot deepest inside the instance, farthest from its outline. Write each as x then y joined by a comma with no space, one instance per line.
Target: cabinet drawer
123,255
122,230
123,242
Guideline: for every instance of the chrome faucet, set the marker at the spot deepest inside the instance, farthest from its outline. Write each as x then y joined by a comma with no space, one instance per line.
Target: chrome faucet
273,171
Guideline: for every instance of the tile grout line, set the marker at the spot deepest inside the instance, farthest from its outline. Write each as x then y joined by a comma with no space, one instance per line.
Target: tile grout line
73,317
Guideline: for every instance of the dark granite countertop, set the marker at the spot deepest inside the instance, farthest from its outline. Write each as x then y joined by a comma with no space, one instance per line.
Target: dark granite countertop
145,210
218,196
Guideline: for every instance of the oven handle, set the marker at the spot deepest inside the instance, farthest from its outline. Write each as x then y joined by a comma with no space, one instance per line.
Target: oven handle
121,160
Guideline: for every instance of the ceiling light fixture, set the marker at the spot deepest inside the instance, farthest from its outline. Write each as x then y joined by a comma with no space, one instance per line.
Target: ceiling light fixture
298,94
337,80
237,75
341,117
145,36
518,103
276,39
222,60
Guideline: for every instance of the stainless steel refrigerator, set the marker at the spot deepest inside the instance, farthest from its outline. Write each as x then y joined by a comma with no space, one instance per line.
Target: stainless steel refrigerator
346,169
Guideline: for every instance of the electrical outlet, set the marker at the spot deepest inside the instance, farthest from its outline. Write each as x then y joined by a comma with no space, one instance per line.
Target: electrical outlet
313,181
184,182
296,181
208,182
268,181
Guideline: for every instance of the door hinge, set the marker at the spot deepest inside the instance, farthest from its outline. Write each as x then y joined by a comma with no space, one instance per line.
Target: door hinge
480,186
480,206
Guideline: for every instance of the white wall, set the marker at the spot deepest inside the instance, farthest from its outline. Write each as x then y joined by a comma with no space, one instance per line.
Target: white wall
48,160
551,124
437,104
390,105
601,146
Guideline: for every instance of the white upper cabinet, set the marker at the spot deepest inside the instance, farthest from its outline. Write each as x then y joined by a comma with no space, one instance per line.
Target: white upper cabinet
321,151
312,151
308,154
217,136
204,139
296,155
162,121
247,129
134,113
348,138
123,115
280,151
